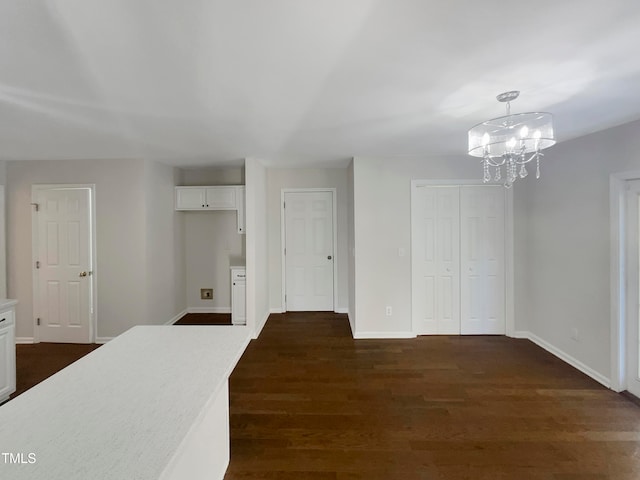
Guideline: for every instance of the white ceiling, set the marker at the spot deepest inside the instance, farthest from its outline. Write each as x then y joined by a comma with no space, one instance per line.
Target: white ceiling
301,82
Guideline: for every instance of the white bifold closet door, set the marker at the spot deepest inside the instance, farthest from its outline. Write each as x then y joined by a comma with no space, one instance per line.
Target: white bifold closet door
458,284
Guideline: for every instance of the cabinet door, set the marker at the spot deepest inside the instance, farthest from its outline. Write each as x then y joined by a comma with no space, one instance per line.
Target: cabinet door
238,303
189,198
8,365
221,198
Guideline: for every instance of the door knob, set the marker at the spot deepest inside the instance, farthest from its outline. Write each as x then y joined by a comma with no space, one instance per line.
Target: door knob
83,274
329,257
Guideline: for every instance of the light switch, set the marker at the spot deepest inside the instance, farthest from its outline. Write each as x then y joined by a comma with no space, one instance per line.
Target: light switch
401,252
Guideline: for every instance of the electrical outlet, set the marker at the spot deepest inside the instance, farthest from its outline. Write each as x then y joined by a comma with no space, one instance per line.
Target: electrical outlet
389,311
206,293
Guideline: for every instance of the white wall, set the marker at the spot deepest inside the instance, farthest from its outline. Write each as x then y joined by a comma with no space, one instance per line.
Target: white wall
382,226
521,253
212,176
120,230
212,243
165,252
277,179
139,265
568,243
258,284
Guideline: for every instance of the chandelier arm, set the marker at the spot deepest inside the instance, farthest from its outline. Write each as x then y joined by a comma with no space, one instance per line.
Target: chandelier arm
533,156
490,160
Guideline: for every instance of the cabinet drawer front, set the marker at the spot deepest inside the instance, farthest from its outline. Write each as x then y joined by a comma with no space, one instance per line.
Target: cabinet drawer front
238,275
6,318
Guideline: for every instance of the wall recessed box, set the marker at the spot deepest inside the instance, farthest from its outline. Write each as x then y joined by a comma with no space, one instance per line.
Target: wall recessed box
227,197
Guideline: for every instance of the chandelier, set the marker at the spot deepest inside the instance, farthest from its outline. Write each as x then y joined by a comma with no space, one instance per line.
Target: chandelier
511,141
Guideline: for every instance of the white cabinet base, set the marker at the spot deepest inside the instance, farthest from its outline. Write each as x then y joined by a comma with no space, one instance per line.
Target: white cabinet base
238,296
7,349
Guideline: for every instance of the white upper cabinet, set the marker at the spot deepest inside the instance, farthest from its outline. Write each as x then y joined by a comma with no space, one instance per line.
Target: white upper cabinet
227,197
206,198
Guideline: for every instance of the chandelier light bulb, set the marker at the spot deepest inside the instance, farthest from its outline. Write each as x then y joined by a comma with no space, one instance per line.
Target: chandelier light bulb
524,131
485,139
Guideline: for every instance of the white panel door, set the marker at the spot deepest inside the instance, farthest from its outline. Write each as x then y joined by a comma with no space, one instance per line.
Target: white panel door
482,287
308,228
632,330
63,297
436,258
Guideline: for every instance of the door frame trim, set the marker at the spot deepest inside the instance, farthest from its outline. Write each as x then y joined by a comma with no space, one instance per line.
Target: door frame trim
333,191
93,318
618,276
509,275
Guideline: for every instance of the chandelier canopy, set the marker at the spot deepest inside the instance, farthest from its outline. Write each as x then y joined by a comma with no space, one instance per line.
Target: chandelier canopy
511,141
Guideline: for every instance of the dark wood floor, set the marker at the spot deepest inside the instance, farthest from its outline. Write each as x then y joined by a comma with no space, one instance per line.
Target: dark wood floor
309,402
205,319
37,362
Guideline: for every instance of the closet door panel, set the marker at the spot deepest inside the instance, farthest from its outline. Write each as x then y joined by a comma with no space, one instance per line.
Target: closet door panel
482,287
448,260
435,256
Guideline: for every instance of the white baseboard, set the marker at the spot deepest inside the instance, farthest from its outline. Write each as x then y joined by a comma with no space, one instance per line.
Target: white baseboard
351,325
24,340
575,363
383,335
280,310
520,334
177,317
104,339
208,309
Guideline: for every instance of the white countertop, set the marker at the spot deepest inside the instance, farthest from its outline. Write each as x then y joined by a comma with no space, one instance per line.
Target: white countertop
122,411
